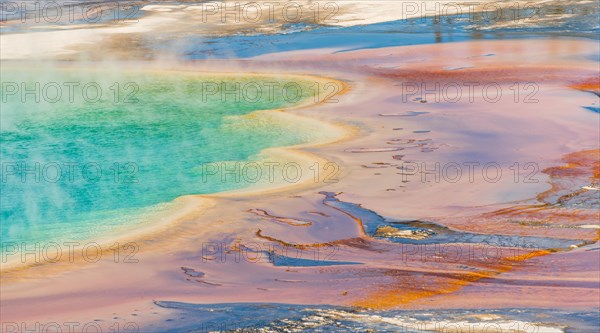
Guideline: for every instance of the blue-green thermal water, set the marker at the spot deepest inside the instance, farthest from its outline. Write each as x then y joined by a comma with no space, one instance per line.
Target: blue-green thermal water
78,165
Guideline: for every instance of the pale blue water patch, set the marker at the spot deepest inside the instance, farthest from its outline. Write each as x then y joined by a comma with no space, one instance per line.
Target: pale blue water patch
592,108
277,317
314,36
427,30
77,169
289,261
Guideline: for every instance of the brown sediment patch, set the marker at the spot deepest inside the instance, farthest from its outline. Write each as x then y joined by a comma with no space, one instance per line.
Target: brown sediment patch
259,234
377,165
507,75
590,85
541,214
362,243
290,281
406,288
286,220
319,213
582,168
579,164
191,272
423,145
209,283
372,150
